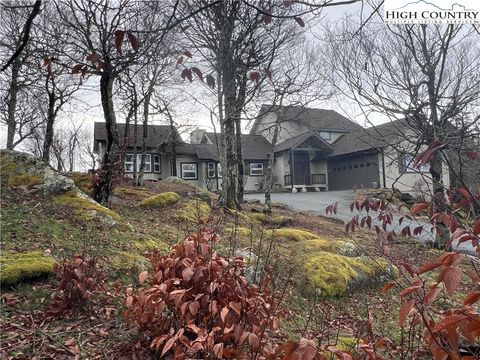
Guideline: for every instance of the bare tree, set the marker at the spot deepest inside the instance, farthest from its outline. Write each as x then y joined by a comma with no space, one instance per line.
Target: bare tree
425,74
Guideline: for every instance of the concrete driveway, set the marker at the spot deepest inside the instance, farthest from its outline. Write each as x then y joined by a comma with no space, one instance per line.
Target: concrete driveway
318,201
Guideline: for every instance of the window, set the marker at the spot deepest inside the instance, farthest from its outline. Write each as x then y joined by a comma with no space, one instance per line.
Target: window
219,170
157,167
211,170
256,169
368,164
189,171
355,166
148,162
362,165
325,135
349,167
409,160
129,163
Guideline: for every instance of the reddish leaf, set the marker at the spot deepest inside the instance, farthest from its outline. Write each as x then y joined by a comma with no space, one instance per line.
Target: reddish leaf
142,276
236,306
92,57
299,21
452,279
119,36
253,340
476,227
307,349
180,60
187,74
427,155
473,275
472,298
187,274
428,267
405,311
267,17
198,73
218,350
432,294
223,313
77,69
410,290
288,3
129,301
419,207
187,54
168,345
387,287
133,40
210,81
255,76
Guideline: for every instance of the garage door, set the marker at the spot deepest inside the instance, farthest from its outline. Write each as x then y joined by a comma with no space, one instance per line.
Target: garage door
355,171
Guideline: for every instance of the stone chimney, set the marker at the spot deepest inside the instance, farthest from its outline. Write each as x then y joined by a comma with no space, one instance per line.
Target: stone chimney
196,136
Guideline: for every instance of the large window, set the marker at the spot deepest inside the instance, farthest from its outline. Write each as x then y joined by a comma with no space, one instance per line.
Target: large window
148,162
256,169
157,167
129,162
211,170
408,162
189,171
325,135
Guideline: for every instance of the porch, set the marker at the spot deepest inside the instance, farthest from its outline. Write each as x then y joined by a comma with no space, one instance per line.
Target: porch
316,182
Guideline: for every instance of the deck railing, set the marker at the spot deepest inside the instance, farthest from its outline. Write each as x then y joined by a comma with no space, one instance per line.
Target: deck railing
317,179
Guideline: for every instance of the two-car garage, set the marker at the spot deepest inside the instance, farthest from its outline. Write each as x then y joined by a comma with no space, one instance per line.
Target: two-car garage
348,172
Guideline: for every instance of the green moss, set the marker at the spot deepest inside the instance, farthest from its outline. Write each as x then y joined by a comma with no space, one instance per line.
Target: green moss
161,200
239,231
257,216
148,245
83,181
125,261
333,275
24,180
193,211
24,266
133,191
6,166
281,220
293,234
347,344
84,205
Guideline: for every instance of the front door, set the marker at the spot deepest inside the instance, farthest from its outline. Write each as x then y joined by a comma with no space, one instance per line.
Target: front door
301,168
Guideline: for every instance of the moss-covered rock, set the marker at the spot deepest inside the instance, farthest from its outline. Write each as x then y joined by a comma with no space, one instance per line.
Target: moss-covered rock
15,268
83,181
129,191
193,211
148,245
22,169
293,234
281,220
87,208
333,275
257,216
161,200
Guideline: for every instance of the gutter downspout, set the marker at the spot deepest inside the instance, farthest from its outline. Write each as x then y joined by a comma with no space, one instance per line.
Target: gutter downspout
383,170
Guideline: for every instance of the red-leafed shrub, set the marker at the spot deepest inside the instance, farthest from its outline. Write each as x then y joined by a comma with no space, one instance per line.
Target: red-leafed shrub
78,280
199,304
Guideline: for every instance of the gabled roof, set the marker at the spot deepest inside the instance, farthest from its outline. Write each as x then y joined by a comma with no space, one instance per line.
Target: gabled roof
298,140
311,119
374,137
254,147
156,135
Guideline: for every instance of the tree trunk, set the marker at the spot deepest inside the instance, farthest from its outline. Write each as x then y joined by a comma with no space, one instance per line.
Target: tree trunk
443,234
12,104
104,185
239,158
269,172
146,107
47,144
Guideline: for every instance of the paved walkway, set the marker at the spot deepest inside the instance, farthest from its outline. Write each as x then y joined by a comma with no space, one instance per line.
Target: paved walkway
318,201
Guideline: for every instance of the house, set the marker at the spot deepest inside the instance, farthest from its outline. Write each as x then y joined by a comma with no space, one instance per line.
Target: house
322,149
197,161
316,149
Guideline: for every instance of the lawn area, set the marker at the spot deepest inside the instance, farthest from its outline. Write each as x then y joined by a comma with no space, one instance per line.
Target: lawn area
332,280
